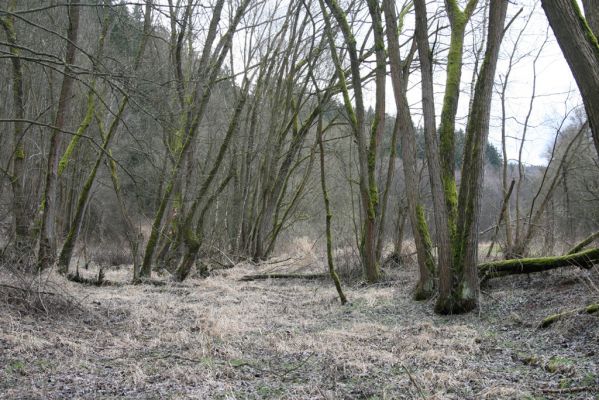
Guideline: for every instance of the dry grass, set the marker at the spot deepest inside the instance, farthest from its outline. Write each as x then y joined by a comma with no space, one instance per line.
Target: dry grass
219,338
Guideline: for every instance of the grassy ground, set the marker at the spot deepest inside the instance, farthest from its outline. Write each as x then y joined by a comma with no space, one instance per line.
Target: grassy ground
219,338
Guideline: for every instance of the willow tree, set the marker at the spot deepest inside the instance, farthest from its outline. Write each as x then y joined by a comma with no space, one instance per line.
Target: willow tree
367,139
457,219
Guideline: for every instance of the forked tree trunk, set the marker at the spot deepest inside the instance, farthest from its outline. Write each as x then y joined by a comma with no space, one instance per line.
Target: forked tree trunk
426,283
463,279
193,239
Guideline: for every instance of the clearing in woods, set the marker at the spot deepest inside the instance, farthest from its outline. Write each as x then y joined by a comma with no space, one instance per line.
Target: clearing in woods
219,338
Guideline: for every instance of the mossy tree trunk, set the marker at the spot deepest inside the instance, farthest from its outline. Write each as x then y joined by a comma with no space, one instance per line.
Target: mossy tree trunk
447,271
426,283
591,13
433,155
193,238
463,295
381,235
584,243
186,235
367,144
49,209
68,247
590,309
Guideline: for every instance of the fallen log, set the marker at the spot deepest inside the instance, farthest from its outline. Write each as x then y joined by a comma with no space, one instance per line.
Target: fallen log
590,309
495,269
584,243
257,277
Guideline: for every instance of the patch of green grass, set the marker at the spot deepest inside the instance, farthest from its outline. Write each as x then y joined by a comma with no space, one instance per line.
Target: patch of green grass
559,364
238,362
269,391
208,361
590,379
16,367
565,383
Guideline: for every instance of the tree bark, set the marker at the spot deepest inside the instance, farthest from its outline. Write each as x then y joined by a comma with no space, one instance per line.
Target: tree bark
591,13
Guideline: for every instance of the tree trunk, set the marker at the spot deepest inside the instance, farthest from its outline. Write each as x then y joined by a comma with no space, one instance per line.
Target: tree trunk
388,183
48,242
367,147
66,253
502,213
68,247
329,216
581,50
425,287
21,222
463,295
441,216
458,19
